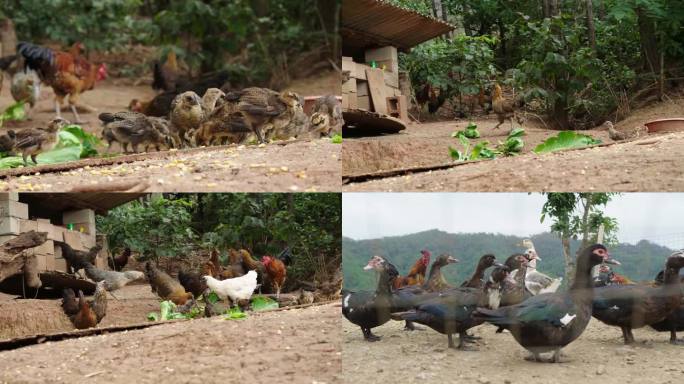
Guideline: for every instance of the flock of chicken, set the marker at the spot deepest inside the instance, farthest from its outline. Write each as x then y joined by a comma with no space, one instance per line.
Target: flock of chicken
487,99
176,118
518,298
233,283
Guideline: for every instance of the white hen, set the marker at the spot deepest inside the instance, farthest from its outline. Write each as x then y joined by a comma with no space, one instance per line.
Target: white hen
238,288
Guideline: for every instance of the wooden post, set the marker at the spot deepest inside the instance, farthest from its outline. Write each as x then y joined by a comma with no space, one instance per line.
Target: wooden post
8,38
13,260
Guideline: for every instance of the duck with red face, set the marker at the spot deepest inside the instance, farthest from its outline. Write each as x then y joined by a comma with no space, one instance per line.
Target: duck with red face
634,306
547,323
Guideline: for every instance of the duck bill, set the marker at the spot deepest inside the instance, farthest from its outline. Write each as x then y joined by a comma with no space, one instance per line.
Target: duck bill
610,260
452,260
497,264
368,267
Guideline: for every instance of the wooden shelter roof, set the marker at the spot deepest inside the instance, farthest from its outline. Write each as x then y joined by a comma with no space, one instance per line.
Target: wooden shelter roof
376,23
56,203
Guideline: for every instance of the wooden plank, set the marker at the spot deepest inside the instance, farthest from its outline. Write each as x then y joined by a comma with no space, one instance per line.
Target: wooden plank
7,345
363,120
376,84
13,261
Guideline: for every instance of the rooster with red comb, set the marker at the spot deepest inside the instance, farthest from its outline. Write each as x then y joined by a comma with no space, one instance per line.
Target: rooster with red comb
416,275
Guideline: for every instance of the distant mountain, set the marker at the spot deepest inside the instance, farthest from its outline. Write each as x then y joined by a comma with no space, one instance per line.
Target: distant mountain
639,262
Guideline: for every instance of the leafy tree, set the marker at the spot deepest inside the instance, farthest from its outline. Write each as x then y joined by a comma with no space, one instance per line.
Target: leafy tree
258,42
178,225
576,62
100,25
155,227
575,215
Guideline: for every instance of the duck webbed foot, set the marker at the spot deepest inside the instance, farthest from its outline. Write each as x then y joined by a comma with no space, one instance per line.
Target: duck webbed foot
369,336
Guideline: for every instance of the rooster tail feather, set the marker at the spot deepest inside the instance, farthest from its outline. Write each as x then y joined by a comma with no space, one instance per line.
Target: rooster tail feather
35,55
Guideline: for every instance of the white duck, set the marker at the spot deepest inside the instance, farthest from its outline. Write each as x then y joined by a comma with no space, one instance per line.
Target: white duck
535,281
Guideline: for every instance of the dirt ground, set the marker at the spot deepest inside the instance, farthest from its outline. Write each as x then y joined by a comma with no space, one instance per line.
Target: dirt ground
653,163
18,317
302,166
598,356
293,346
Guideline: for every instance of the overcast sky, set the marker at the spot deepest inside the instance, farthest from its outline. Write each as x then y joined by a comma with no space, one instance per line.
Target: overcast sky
658,217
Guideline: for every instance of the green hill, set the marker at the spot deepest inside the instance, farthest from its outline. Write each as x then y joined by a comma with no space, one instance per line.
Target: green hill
639,262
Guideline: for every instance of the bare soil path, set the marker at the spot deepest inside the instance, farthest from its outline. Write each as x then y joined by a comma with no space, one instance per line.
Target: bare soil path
291,346
652,163
598,356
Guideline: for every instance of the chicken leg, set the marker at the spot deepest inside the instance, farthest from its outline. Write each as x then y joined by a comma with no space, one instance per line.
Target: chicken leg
76,117
58,108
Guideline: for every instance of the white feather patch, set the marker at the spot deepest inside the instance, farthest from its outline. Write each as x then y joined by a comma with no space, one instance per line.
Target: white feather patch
494,298
345,302
615,307
565,320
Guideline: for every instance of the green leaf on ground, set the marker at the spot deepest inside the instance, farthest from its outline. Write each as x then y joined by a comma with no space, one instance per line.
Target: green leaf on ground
234,314
262,303
14,112
565,139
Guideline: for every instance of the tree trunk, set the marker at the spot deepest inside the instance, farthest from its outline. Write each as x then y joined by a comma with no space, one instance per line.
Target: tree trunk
545,8
438,9
550,8
261,8
649,44
329,12
591,29
8,38
560,114
13,260
601,10
587,205
569,260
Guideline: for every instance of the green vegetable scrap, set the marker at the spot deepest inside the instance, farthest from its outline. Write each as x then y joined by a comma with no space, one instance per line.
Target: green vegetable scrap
471,131
262,303
566,139
14,112
73,143
513,145
234,313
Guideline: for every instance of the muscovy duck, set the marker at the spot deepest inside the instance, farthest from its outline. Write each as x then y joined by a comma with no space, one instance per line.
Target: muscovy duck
634,306
371,309
675,321
514,290
408,297
549,322
536,281
477,279
450,312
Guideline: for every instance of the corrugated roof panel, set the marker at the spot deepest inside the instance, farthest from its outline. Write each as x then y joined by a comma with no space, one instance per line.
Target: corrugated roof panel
367,23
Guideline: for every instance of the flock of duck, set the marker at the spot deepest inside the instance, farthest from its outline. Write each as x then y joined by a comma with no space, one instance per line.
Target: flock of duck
518,298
